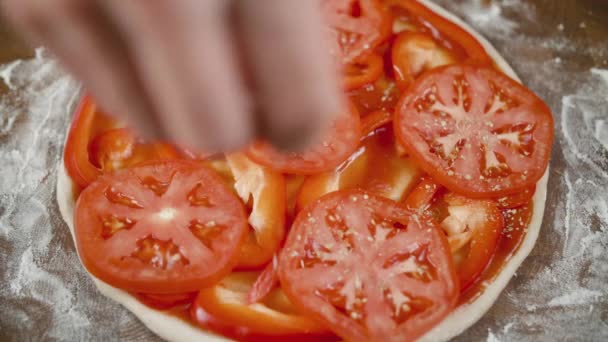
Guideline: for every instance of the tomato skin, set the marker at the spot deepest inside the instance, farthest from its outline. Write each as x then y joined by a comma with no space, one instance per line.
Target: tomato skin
362,72
226,304
122,220
445,30
341,139
310,266
76,154
267,219
483,128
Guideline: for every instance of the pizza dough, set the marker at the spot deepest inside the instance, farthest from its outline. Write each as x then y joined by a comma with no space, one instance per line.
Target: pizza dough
174,329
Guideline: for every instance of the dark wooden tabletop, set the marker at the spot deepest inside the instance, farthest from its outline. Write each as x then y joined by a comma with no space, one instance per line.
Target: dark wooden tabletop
559,48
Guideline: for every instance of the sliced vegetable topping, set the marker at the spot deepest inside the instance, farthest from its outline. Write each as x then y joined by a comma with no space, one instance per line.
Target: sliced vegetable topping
164,227
473,227
96,145
475,130
225,307
263,191
367,268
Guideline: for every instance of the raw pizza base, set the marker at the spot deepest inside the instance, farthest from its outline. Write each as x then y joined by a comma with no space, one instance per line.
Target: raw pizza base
173,329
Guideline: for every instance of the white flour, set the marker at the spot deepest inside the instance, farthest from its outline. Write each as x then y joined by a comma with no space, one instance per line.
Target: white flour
559,293
42,284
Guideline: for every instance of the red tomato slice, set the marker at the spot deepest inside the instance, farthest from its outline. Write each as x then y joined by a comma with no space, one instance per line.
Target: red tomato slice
475,130
224,307
341,141
163,227
376,167
95,146
473,227
413,53
362,72
357,27
264,191
451,35
516,200
358,263
166,301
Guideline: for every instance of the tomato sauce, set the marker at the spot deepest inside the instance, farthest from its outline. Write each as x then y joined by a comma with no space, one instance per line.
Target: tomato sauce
386,172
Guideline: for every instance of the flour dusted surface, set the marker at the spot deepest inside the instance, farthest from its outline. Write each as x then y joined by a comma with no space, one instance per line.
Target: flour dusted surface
45,293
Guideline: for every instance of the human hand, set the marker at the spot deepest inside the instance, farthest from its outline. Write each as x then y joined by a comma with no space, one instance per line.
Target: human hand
211,74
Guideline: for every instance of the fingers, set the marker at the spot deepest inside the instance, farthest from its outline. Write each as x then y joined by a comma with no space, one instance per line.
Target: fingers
295,83
181,59
79,34
186,60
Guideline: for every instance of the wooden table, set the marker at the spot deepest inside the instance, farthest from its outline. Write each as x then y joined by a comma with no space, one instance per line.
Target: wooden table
553,45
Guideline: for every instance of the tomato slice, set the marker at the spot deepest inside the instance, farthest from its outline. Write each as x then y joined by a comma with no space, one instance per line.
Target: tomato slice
450,35
163,227
264,191
414,53
230,312
341,140
473,227
516,200
362,72
376,167
362,265
357,27
475,130
96,145
166,301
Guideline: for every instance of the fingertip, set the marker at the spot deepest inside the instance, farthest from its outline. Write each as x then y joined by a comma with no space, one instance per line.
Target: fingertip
300,126
210,133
